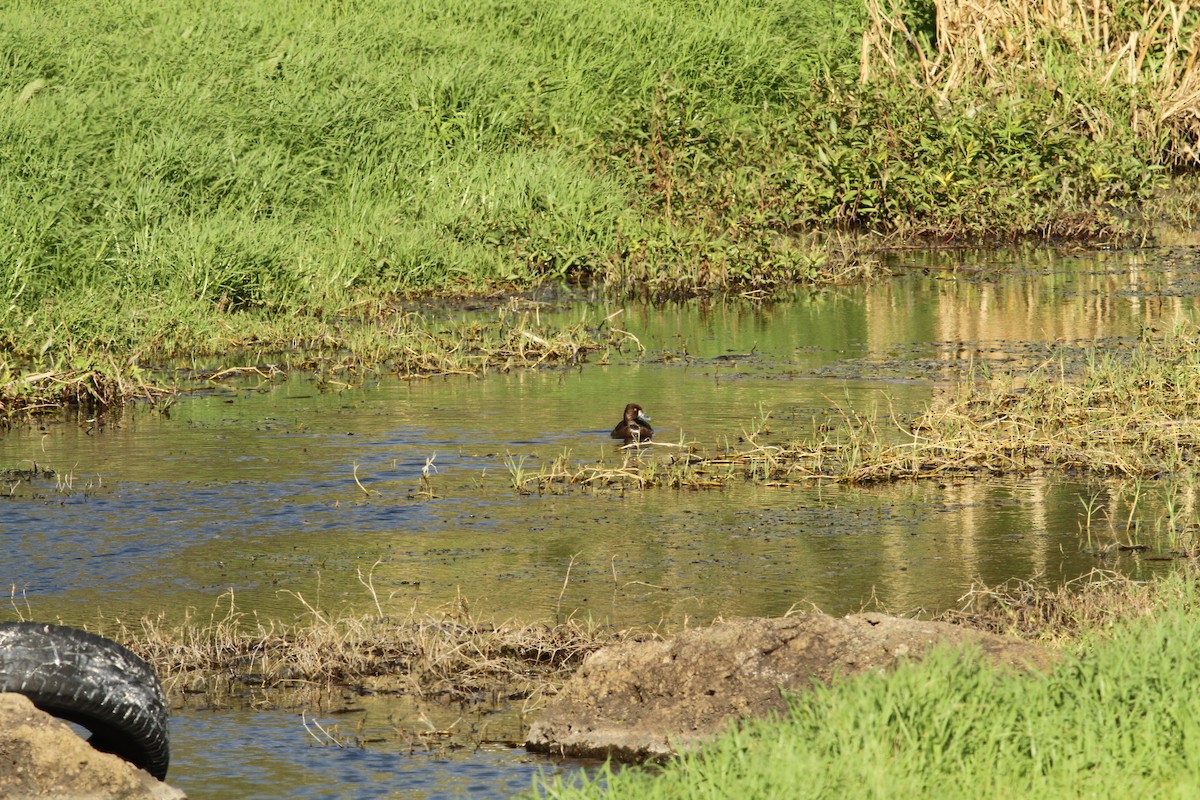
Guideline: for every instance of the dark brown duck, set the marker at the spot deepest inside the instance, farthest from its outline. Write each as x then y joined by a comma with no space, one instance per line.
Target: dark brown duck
635,427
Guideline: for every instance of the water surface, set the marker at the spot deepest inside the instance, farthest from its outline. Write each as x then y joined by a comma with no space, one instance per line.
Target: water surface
284,495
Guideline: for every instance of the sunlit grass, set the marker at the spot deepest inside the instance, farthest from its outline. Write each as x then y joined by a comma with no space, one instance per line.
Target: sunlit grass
173,176
253,156
1118,721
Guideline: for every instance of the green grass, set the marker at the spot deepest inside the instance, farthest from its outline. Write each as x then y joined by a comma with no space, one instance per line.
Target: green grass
1123,720
175,176
274,156
176,179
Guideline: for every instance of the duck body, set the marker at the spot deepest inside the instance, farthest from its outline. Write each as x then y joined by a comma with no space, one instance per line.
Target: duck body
635,427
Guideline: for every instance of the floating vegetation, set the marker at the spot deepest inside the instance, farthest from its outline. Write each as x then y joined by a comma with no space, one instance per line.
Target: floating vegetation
30,473
1128,412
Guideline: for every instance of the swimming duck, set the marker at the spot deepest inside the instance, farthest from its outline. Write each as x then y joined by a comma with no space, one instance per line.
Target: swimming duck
635,427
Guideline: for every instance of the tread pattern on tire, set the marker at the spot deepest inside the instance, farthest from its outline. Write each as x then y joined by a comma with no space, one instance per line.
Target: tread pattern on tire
93,682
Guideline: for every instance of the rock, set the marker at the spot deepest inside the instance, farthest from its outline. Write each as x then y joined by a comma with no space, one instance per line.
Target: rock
41,757
636,701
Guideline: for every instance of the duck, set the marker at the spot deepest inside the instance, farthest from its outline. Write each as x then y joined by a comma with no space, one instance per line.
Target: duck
635,427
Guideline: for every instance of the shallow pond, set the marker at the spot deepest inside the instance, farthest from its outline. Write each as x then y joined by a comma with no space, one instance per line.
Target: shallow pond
283,496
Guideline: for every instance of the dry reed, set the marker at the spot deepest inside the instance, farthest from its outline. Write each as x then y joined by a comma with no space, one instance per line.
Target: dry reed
1090,605
449,654
1145,48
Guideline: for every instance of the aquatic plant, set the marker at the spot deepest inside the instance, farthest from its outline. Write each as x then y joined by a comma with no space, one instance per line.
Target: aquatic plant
1130,412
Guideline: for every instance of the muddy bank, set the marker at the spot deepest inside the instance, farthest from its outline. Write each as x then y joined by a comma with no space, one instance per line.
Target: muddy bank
645,700
41,756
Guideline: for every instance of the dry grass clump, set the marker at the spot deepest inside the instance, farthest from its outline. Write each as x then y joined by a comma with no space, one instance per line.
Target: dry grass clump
449,654
366,341
1133,412
1090,605
1126,412
1144,50
24,391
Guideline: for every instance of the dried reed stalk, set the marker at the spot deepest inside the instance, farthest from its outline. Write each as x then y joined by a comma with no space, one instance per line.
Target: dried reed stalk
1147,47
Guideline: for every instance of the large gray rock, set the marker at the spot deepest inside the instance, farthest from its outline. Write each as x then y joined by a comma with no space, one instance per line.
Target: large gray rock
644,700
41,757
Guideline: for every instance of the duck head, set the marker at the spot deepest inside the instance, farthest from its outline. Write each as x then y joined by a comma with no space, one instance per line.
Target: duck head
635,426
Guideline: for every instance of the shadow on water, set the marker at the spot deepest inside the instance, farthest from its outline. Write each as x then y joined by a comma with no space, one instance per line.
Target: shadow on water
277,491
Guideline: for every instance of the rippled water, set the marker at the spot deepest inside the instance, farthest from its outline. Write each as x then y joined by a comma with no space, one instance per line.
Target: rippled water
278,492
267,755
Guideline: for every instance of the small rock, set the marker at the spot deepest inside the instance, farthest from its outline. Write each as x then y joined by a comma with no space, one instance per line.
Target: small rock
41,757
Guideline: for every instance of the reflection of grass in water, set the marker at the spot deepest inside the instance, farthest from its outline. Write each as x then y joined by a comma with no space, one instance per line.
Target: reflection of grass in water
1131,414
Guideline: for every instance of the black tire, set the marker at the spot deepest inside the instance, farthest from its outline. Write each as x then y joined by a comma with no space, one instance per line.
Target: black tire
93,682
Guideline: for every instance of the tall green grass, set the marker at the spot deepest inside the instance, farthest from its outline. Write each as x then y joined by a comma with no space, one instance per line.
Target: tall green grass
279,156
1121,721
165,165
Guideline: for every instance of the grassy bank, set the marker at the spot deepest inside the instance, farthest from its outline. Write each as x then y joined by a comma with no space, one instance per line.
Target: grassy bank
174,163
453,652
1119,706
168,171
1118,721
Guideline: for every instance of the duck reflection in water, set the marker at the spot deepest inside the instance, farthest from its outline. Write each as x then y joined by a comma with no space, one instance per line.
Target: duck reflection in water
635,428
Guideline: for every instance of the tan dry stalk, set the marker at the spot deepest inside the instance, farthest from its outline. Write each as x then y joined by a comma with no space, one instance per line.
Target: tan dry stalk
994,43
1093,603
449,653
